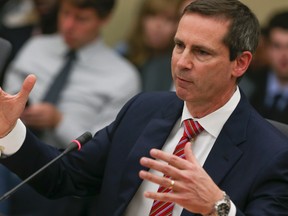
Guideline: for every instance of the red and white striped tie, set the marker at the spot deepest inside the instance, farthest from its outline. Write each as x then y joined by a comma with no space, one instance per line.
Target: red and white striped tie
191,130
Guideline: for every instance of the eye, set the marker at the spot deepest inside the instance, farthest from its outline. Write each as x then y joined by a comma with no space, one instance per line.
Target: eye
81,18
201,54
179,45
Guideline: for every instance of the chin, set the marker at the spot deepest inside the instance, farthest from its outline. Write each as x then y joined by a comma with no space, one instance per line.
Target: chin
181,93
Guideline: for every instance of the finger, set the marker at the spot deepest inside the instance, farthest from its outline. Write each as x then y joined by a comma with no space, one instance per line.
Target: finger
171,159
165,197
27,86
160,180
164,168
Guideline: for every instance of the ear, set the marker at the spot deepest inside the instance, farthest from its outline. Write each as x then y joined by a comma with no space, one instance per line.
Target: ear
241,63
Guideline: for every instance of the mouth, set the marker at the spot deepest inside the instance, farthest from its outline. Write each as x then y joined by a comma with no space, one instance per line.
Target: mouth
181,80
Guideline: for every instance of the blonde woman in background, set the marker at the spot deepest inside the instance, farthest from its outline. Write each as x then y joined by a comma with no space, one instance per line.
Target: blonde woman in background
150,42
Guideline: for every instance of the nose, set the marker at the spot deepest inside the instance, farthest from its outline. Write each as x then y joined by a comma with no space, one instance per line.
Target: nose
67,23
185,60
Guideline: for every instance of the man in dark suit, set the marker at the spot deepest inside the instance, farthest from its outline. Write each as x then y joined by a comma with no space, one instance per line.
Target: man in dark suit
236,150
270,97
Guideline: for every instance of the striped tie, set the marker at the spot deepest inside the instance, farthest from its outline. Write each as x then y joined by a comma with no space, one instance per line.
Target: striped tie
191,130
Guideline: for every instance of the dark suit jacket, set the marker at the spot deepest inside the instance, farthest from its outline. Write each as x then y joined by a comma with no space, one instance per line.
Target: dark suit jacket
249,159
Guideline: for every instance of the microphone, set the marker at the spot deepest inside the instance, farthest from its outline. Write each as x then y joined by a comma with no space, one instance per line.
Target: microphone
75,144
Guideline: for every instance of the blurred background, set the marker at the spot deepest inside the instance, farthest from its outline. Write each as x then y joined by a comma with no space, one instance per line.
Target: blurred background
126,11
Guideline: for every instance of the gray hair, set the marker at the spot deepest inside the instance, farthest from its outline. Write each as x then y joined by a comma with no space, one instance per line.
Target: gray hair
243,34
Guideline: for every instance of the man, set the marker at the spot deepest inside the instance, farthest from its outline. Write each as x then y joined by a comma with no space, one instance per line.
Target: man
99,84
237,151
270,97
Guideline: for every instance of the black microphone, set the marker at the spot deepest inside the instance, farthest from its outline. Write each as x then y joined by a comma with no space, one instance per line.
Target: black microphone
75,144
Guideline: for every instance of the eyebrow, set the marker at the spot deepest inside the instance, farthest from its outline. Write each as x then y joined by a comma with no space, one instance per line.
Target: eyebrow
199,47
195,47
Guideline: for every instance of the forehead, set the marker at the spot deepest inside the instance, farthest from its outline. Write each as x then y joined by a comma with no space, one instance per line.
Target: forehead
88,11
206,29
279,33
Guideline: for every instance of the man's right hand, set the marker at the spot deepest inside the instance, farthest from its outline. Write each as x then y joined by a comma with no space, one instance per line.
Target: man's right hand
12,106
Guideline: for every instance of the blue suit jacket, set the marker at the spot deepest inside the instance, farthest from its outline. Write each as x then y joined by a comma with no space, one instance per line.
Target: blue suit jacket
249,159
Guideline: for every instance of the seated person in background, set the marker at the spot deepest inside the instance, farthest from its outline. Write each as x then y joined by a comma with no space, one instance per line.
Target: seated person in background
229,160
270,97
150,43
99,83
260,63
260,60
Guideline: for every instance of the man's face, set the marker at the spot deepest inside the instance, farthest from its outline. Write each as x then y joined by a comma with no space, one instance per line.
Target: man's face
78,26
278,52
201,68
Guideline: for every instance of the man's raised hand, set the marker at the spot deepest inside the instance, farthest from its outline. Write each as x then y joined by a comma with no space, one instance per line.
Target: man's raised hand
12,106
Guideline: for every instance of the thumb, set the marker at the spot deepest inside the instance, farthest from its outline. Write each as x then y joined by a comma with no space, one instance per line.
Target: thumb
27,86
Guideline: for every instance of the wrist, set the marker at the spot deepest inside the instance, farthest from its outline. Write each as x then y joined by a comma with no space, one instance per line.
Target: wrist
13,140
221,207
8,131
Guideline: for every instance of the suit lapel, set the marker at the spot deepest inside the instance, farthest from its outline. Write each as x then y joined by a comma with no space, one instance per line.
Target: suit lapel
226,152
154,136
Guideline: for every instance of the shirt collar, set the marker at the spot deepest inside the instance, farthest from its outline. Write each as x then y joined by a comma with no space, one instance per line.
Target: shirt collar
214,122
88,50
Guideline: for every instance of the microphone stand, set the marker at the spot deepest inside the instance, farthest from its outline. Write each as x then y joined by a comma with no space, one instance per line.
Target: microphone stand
73,145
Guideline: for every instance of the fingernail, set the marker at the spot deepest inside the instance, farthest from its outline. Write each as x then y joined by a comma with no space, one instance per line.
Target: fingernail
153,151
143,160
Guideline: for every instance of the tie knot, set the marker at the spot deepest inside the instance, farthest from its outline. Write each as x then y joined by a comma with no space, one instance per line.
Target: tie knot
71,55
192,128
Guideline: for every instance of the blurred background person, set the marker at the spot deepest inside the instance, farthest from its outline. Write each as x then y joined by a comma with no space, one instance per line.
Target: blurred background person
270,97
107,79
150,42
259,63
22,19
100,81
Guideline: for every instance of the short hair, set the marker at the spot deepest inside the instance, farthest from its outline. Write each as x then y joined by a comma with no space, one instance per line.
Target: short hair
102,7
244,30
278,20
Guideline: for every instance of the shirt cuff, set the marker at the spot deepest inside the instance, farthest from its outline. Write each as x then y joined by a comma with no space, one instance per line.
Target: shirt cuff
232,211
11,143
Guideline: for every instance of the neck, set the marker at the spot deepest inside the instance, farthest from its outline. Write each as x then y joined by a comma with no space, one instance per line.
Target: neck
204,108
